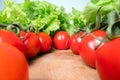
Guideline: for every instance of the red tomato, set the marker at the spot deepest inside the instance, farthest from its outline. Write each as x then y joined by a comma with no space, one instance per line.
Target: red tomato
11,38
108,60
74,42
46,41
32,44
60,40
13,64
88,45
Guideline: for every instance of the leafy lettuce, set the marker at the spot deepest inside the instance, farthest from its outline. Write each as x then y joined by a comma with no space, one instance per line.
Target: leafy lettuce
41,15
90,10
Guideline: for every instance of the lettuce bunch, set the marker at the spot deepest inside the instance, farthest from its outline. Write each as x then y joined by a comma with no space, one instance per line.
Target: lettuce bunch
42,16
90,10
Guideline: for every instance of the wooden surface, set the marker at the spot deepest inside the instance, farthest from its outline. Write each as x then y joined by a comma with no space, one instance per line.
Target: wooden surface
61,65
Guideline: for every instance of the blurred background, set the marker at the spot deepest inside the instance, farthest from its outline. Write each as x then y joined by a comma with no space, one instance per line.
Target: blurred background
67,4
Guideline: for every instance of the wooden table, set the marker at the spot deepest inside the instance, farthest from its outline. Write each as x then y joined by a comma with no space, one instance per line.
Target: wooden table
61,65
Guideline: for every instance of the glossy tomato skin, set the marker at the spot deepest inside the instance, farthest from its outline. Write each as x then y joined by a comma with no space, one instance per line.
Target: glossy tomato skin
88,45
11,38
108,60
60,40
13,64
46,42
75,41
32,43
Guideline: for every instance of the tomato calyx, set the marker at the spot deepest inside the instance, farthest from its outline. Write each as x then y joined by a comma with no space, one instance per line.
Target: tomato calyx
24,37
98,19
29,29
101,42
82,35
14,27
97,25
111,26
113,30
3,25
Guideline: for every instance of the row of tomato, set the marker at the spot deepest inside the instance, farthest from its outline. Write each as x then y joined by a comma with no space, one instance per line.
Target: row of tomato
99,51
96,49
15,50
92,47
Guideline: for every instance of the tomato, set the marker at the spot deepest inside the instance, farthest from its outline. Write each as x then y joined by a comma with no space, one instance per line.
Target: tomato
13,64
74,42
46,41
60,40
108,60
11,38
88,45
32,43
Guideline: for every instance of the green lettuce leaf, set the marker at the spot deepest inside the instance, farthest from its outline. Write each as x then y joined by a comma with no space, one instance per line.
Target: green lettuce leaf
13,13
90,10
42,16
76,21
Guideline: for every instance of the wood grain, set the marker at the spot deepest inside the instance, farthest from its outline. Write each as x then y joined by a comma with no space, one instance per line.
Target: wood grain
61,65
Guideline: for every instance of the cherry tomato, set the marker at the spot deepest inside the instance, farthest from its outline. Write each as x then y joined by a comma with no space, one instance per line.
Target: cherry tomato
60,40
13,64
11,38
46,41
74,42
88,45
108,60
32,43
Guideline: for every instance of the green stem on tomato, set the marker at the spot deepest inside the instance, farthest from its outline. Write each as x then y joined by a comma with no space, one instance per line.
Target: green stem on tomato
3,25
101,42
31,28
113,30
92,27
14,28
83,35
98,19
23,38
